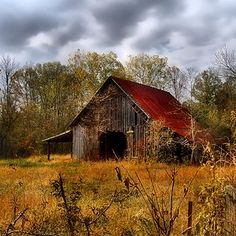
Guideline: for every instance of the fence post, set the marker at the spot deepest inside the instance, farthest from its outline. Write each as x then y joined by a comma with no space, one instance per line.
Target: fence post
190,213
230,216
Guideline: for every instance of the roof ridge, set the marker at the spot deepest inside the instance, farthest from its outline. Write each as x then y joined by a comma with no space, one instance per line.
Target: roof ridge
138,83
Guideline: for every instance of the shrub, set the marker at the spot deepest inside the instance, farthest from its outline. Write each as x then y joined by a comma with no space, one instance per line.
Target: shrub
211,216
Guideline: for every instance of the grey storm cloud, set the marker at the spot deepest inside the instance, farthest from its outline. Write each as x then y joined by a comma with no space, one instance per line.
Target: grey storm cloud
45,30
43,54
205,28
16,29
159,38
119,19
71,5
67,33
18,25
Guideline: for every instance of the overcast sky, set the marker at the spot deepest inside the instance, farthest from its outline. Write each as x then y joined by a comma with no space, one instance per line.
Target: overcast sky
188,32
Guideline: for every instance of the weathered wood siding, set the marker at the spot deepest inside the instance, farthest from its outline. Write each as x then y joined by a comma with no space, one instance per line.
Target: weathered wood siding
116,112
79,141
85,143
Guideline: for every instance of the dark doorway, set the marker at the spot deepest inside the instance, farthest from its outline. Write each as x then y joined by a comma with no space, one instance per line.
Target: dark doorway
112,145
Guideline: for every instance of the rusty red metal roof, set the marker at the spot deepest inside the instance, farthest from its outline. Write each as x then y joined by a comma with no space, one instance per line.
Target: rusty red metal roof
161,106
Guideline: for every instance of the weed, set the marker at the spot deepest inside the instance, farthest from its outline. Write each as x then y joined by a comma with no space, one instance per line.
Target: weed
99,188
74,216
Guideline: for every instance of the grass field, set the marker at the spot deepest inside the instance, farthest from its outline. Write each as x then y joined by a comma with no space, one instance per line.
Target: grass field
26,184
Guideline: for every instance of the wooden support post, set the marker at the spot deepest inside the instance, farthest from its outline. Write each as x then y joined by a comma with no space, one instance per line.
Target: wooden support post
49,150
130,134
71,153
190,213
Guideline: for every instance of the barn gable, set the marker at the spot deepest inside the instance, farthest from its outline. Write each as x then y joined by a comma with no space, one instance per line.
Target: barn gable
110,90
105,122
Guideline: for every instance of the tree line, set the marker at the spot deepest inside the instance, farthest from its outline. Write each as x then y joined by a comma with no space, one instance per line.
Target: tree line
37,101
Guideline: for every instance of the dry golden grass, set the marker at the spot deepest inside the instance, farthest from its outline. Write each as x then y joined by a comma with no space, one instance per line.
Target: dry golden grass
29,181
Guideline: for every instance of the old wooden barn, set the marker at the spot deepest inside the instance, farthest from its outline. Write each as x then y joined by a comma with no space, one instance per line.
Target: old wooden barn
121,120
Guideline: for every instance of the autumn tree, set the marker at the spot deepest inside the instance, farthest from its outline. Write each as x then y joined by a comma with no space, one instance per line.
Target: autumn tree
214,97
46,105
8,108
226,99
91,69
177,82
149,70
226,62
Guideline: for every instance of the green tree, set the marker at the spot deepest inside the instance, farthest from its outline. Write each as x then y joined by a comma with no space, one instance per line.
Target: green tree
226,97
206,87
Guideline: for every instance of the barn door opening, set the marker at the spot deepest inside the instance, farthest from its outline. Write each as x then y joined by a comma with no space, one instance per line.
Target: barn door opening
112,145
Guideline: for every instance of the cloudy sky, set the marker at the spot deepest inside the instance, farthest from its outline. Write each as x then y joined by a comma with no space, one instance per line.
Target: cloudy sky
188,32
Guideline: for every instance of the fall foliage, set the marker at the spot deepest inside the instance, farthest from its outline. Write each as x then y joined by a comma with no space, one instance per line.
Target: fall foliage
37,101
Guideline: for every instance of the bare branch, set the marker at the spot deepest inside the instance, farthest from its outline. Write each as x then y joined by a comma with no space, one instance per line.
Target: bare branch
226,60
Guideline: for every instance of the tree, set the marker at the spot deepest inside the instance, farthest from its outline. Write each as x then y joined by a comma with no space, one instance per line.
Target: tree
226,61
8,110
226,97
7,68
214,99
149,70
206,87
177,82
91,69
45,103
